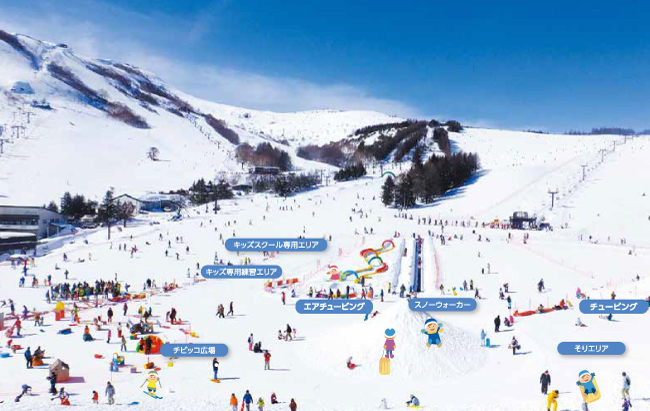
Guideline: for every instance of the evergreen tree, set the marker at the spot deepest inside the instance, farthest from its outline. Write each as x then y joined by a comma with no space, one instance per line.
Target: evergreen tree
404,194
108,209
388,191
52,207
66,204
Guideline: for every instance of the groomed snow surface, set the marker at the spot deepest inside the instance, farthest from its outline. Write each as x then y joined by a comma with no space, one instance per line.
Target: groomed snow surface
519,169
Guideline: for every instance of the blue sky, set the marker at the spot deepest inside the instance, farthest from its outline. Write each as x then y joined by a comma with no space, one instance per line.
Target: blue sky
555,65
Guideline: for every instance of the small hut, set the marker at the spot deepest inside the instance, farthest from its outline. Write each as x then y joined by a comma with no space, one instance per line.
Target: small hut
61,369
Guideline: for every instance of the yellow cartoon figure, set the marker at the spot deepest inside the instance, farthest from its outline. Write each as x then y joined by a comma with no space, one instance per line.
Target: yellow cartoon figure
151,381
588,386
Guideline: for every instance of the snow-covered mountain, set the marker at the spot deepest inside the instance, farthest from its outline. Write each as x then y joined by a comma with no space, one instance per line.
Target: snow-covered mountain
92,123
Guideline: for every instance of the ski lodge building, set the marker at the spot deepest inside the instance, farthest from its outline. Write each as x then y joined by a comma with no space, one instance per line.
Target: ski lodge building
31,220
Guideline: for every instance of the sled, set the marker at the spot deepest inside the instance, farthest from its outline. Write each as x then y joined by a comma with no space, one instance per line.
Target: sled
384,366
524,313
591,397
487,343
153,396
415,406
217,380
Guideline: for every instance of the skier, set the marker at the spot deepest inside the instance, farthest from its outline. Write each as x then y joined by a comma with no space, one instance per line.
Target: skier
497,324
545,380
551,399
110,393
215,367
247,400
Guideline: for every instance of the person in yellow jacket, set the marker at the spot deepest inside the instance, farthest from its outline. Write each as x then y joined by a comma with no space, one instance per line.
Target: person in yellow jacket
233,402
551,400
260,404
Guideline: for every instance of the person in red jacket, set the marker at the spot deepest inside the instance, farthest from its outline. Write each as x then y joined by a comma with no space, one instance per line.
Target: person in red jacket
267,360
292,405
95,397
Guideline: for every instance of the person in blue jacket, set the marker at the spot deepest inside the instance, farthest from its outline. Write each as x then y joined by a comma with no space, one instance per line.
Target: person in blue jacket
586,382
248,400
28,357
432,329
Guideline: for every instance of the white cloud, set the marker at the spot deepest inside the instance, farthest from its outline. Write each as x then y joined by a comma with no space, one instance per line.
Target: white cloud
245,88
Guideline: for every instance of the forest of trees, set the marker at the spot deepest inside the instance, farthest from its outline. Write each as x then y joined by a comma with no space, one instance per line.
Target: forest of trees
220,127
384,145
617,131
201,192
74,207
350,172
330,153
426,181
285,184
264,155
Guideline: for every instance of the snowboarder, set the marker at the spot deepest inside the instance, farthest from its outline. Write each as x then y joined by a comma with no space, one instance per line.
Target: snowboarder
389,344
545,380
215,368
